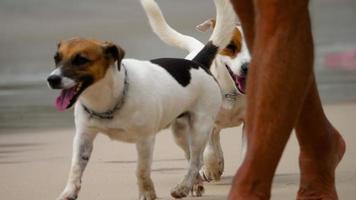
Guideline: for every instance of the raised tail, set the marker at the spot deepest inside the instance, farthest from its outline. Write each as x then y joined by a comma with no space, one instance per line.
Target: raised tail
165,32
221,36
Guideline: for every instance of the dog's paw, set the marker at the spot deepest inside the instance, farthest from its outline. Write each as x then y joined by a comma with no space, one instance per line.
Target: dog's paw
212,171
64,196
180,191
70,193
198,188
148,195
146,189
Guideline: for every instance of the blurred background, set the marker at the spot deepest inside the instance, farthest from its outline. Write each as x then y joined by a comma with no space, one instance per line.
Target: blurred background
31,29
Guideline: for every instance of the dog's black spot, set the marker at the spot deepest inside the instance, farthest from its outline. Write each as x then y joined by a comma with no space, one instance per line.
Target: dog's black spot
206,56
179,68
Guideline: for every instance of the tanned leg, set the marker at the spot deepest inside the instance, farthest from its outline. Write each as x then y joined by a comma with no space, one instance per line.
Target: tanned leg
246,13
322,148
282,60
320,143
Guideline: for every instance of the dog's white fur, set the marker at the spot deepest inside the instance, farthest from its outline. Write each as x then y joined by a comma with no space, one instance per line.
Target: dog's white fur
150,106
232,111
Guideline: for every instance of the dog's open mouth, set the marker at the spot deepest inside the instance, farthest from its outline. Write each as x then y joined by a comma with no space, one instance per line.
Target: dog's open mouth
240,81
67,97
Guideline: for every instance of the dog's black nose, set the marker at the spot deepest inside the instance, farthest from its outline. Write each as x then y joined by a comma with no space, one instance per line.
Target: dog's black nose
244,68
54,81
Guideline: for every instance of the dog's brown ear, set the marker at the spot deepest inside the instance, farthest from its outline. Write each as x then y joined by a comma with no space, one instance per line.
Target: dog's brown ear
207,25
114,52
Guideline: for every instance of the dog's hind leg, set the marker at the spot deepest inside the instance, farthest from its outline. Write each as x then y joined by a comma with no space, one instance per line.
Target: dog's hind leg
180,130
201,125
143,173
213,158
82,148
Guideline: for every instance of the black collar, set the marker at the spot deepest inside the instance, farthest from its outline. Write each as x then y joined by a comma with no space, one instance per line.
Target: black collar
110,113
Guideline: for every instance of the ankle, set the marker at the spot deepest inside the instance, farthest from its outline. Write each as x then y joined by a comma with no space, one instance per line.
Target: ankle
246,193
314,193
250,186
325,145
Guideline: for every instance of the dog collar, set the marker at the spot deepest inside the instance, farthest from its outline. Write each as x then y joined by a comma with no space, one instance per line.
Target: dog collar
231,96
110,113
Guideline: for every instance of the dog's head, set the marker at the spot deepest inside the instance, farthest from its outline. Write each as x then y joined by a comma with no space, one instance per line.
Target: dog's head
235,56
80,63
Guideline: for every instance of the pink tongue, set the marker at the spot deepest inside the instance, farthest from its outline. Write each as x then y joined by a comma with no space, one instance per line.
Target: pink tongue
63,100
241,82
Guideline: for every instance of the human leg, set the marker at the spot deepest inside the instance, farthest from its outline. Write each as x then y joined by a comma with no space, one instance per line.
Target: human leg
276,94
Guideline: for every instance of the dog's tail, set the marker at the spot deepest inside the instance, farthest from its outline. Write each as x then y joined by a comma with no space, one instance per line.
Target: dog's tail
221,36
165,32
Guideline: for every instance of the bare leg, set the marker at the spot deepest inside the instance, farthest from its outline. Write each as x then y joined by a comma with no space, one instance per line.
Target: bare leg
246,12
275,92
317,180
321,149
82,148
143,173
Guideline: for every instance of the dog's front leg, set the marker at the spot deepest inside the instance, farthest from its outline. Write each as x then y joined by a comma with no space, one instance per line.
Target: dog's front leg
82,148
244,143
213,158
145,184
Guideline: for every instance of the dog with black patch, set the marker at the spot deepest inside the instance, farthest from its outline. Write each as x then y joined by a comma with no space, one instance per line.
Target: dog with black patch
131,100
230,68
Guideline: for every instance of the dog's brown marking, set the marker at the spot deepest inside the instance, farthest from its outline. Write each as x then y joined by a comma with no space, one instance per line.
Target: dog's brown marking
235,44
234,47
85,57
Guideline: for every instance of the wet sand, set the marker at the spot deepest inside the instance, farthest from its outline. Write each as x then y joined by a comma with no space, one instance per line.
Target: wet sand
35,165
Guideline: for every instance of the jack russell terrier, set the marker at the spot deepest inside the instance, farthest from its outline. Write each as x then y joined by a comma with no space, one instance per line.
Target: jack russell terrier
229,68
133,100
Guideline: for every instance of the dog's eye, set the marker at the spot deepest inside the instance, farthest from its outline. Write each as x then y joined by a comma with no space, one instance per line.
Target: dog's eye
80,60
57,58
231,47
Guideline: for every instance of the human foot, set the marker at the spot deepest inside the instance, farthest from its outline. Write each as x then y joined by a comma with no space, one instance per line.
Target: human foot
318,170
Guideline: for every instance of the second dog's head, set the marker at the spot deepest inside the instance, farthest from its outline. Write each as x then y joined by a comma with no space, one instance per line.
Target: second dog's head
80,63
235,56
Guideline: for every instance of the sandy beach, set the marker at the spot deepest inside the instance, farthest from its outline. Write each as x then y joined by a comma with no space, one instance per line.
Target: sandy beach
34,165
36,140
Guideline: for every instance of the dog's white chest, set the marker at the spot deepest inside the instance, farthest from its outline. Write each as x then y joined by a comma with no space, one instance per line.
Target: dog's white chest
230,118
120,134
128,130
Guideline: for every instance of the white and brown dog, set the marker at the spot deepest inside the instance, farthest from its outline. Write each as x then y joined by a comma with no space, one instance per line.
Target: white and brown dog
132,100
229,68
